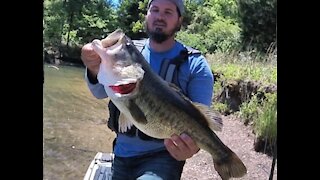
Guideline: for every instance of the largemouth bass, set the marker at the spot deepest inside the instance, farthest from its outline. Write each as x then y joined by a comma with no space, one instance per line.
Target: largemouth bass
156,107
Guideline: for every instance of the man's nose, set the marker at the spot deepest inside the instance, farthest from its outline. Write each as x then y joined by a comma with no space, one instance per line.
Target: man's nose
160,16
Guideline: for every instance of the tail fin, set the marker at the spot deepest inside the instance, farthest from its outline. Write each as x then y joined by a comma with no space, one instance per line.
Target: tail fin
231,167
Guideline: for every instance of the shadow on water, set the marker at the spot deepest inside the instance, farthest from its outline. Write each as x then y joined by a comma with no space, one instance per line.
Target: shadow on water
74,124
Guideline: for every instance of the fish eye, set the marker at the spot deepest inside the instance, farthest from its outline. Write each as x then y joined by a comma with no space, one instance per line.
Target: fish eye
120,56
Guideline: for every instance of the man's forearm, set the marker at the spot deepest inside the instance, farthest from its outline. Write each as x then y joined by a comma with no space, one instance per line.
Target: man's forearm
92,78
95,87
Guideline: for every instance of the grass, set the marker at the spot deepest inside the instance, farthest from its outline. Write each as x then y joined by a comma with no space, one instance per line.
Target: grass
266,122
234,67
246,66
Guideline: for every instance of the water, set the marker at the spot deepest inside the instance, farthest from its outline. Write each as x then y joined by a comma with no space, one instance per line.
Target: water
74,124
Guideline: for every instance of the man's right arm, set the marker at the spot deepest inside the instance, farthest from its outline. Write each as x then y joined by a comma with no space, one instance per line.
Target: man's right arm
95,87
92,62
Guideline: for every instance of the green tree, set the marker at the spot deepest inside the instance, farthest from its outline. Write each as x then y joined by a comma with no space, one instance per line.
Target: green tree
131,17
97,20
258,23
73,9
77,21
54,18
191,7
215,23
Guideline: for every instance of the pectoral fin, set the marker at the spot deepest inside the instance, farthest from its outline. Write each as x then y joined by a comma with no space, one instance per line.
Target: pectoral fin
124,123
137,113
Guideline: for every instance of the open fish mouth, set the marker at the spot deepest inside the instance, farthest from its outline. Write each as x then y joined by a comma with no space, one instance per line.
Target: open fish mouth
125,86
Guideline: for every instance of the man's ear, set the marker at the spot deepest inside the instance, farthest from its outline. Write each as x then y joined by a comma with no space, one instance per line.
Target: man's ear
179,23
180,20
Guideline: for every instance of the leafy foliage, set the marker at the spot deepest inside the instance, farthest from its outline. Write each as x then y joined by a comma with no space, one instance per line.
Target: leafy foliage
249,111
266,123
52,23
220,107
193,40
262,115
222,36
190,11
211,26
258,23
76,21
130,17
97,20
217,25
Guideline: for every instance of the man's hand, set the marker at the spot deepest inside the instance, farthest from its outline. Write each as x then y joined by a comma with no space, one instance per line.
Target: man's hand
90,59
181,147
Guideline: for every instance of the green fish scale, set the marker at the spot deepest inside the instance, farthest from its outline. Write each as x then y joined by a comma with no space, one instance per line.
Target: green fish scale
165,119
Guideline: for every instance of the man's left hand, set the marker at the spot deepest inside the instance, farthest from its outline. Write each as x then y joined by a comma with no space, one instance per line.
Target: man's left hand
181,147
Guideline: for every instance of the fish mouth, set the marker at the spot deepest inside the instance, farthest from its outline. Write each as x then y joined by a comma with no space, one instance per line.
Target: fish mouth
114,39
124,87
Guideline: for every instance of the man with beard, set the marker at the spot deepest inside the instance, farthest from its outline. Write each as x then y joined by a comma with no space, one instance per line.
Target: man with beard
138,156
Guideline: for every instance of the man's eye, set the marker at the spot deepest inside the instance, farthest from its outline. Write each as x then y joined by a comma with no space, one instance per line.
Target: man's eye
154,10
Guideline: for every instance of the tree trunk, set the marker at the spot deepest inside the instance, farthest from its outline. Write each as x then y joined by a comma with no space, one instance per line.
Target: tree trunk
70,24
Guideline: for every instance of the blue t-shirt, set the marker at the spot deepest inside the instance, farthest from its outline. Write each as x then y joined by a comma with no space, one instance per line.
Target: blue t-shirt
195,78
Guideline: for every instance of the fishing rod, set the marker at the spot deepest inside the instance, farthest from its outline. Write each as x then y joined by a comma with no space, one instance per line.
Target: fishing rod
273,160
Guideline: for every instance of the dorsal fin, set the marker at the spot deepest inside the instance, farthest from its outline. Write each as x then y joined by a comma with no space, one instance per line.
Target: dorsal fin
178,90
213,118
139,44
174,87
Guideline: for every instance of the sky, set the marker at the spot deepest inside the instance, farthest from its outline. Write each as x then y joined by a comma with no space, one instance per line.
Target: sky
115,2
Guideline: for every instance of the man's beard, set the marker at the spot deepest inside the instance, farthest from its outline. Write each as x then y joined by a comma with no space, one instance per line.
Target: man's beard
158,35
